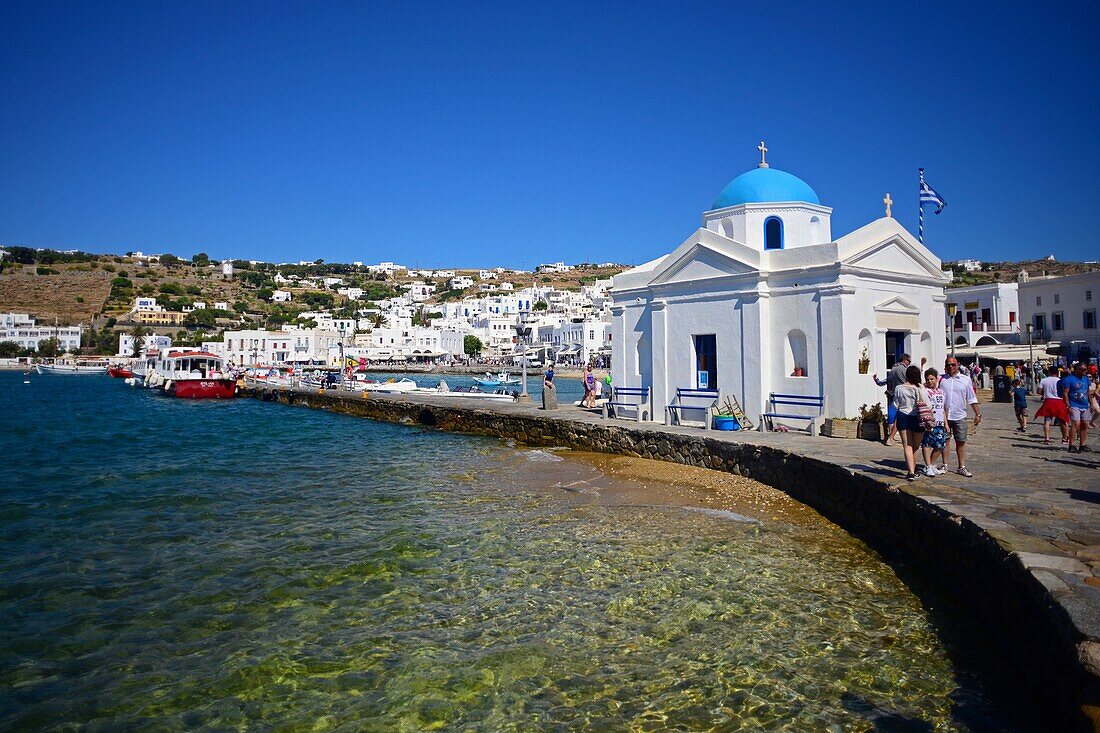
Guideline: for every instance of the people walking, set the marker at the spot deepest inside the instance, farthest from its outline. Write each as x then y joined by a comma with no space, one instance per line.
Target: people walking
934,444
894,377
1019,403
1053,408
1075,391
589,380
908,397
958,393
1094,399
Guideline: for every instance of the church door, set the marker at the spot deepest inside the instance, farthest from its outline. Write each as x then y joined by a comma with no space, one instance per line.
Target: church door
895,347
706,362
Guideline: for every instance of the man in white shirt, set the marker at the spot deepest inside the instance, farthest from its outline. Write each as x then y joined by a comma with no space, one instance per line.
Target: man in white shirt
958,392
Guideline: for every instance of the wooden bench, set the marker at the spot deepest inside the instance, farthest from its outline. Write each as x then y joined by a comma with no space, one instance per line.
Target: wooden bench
702,400
793,400
634,398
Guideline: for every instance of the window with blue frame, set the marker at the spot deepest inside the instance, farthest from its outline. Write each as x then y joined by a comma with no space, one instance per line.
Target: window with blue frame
773,233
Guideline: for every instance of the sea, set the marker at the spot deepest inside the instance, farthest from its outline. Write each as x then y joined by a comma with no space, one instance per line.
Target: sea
178,565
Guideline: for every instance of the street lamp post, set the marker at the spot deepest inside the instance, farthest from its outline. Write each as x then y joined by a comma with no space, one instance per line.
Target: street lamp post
523,333
1030,357
951,307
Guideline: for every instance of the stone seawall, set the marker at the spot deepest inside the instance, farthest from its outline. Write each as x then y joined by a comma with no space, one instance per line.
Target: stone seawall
951,556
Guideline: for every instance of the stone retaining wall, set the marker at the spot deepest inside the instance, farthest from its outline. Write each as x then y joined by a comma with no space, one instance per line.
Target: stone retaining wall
951,556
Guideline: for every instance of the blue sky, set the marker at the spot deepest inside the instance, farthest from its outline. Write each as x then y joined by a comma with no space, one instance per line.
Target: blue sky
456,134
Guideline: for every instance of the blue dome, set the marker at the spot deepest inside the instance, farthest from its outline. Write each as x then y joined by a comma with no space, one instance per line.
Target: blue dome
764,185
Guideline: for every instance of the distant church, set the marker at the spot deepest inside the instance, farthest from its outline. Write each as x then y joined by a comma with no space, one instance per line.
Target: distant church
762,299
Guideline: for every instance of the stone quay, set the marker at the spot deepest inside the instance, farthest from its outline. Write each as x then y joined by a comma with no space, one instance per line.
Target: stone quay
1017,547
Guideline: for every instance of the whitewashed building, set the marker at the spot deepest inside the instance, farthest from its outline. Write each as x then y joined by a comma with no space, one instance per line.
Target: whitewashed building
985,314
1062,314
21,329
150,342
263,347
761,299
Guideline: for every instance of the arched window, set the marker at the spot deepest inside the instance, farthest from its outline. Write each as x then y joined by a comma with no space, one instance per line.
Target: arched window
773,233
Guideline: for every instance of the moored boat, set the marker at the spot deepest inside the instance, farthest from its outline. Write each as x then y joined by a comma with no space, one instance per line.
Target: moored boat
392,386
85,369
472,392
120,372
191,375
496,380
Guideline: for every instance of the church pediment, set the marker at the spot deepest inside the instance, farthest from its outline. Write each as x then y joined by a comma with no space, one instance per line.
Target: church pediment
898,314
895,256
897,304
884,246
701,262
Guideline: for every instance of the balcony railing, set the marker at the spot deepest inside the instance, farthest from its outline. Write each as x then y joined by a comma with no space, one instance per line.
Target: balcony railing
989,327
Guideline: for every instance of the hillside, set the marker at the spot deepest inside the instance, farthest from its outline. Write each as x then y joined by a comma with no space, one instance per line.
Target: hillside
1005,272
71,296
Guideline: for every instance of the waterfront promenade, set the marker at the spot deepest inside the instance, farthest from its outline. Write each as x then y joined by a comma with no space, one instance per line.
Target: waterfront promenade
1018,544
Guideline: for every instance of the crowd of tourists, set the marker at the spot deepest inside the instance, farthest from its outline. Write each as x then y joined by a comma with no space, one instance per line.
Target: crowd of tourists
927,410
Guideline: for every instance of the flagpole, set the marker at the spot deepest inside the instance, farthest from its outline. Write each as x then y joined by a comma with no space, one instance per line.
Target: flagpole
920,208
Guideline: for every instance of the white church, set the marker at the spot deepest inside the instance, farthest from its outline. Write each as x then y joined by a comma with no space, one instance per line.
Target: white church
761,300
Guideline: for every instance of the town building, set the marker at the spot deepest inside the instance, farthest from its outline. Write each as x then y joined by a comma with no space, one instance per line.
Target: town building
262,347
159,317
150,342
969,265
1062,314
761,299
985,315
21,329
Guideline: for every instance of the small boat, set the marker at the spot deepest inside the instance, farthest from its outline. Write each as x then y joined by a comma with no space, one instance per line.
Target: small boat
192,375
87,369
120,372
392,386
476,392
496,380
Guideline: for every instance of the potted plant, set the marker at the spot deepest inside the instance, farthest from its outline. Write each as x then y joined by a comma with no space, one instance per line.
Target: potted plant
864,361
872,422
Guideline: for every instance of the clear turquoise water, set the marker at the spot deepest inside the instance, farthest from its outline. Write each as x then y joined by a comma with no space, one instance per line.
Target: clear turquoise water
172,565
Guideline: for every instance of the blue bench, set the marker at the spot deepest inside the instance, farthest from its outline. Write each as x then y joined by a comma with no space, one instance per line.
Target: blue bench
791,401
687,399
633,398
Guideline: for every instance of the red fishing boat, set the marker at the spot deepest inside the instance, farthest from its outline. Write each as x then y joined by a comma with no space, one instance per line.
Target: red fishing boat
192,374
120,372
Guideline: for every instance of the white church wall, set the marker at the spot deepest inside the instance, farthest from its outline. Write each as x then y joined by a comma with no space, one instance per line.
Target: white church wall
924,338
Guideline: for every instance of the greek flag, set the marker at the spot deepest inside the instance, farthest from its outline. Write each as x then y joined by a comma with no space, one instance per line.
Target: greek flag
929,196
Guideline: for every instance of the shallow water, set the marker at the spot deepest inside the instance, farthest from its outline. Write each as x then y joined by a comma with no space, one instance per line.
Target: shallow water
178,565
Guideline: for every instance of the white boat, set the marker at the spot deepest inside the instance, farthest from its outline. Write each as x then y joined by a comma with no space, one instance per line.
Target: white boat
71,368
392,386
475,392
496,380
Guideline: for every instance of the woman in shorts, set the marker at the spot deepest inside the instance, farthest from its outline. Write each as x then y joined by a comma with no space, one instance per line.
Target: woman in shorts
907,398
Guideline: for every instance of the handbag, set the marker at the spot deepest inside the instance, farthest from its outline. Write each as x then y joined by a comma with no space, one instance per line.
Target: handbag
927,419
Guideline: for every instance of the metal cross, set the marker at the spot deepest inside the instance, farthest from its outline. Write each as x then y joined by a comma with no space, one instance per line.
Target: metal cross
888,201
763,151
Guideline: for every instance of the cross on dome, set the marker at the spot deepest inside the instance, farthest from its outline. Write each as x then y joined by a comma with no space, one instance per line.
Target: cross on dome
888,201
763,152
